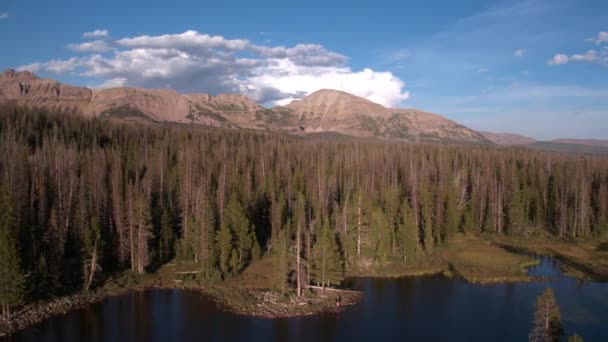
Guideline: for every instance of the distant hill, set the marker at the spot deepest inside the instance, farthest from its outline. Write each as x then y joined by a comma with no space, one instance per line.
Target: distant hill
324,111
568,148
587,146
507,138
586,142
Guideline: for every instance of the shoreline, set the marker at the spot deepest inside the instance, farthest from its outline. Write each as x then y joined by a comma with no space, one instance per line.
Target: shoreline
254,303
263,303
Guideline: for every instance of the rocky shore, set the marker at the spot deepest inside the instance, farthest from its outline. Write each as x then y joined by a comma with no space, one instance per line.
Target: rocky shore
258,303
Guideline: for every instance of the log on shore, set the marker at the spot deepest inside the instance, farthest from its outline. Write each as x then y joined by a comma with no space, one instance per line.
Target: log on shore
331,289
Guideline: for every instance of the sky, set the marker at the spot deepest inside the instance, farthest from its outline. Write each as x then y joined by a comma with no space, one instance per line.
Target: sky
532,67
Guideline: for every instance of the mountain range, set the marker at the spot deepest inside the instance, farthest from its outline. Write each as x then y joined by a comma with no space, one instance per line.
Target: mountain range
324,111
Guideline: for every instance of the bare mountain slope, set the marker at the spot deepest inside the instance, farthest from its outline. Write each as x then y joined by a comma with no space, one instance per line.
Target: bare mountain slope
336,111
507,138
323,111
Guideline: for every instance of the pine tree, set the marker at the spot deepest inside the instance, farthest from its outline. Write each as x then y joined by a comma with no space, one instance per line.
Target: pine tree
281,263
245,241
575,338
327,265
381,235
547,319
225,248
143,231
408,232
166,239
11,279
452,216
426,212
515,211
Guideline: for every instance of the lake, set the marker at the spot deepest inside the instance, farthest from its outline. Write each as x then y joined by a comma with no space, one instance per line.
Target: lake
415,309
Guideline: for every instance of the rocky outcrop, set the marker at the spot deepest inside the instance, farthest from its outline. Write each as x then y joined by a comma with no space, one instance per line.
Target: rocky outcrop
24,88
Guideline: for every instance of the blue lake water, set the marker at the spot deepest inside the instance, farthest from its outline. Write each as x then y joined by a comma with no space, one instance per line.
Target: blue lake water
413,309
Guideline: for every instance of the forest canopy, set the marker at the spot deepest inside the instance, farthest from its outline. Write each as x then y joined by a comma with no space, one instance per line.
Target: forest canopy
82,199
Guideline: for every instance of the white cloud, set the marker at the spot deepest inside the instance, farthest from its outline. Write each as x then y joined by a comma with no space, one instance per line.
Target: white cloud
92,46
290,78
111,83
482,70
602,37
197,62
519,53
558,59
590,56
96,34
55,66
3,15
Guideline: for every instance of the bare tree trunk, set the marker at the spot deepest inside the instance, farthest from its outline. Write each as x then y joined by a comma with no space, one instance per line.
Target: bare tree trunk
140,250
131,223
92,268
359,227
298,251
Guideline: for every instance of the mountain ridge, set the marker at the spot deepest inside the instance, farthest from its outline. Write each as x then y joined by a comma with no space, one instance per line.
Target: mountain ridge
323,111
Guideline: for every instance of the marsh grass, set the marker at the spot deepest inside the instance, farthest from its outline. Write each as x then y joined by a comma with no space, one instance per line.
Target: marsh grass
583,259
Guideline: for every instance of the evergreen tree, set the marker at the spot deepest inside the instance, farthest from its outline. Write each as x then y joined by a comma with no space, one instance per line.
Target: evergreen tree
166,238
408,232
426,212
575,338
225,249
327,265
380,235
547,319
515,211
281,263
11,279
143,232
452,216
245,241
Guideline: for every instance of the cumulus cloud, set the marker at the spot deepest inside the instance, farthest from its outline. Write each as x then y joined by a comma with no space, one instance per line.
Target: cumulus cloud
197,62
55,66
602,37
558,59
92,46
590,56
296,80
111,83
519,53
96,34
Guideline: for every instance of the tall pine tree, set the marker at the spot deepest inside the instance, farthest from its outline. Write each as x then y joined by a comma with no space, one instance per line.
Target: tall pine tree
11,279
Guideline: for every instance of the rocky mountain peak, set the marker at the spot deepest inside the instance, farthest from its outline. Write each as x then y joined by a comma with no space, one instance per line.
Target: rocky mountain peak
11,74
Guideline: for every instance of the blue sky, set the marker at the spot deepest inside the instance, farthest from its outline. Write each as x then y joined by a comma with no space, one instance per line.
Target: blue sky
534,67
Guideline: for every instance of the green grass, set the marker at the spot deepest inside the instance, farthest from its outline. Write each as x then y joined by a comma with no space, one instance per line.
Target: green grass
581,258
470,258
429,265
479,261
